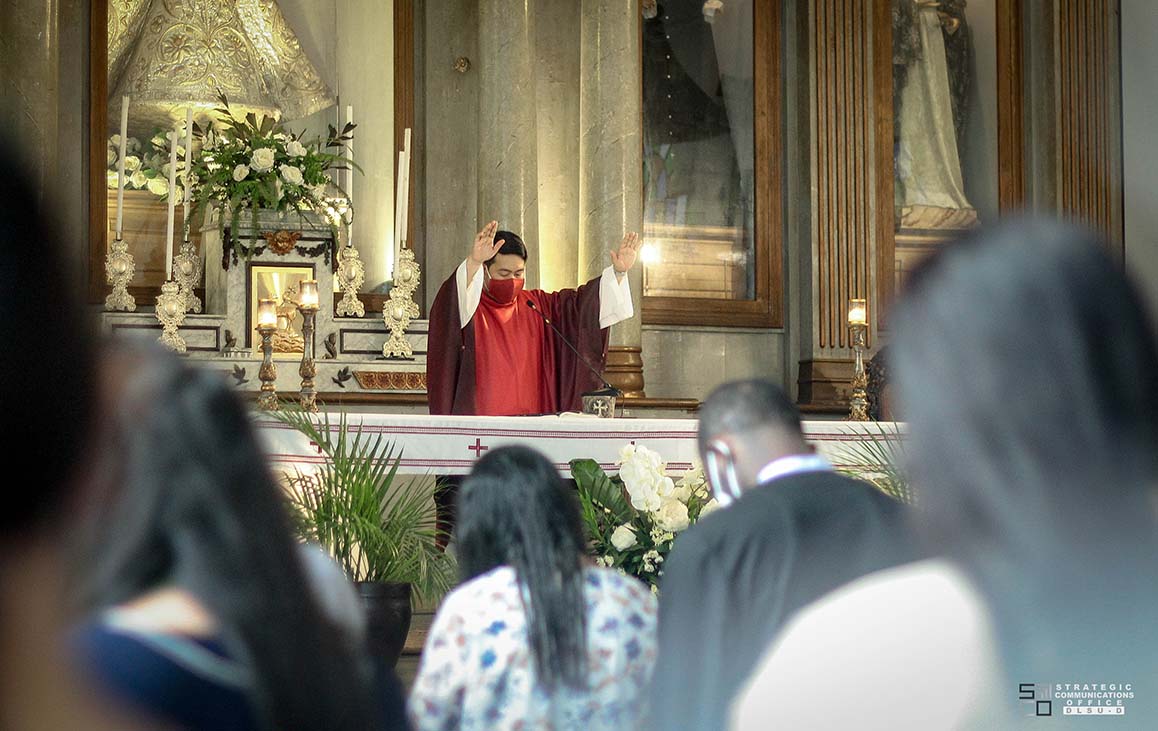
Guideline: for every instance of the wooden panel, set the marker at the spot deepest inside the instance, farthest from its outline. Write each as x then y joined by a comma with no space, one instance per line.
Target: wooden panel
97,141
844,190
1088,112
767,308
1010,107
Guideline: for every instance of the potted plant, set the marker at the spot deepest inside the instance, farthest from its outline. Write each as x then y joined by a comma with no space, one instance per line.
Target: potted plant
378,526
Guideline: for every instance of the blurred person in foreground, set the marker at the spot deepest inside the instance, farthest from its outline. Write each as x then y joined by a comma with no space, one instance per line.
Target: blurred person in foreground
535,638
792,529
47,391
1029,374
198,607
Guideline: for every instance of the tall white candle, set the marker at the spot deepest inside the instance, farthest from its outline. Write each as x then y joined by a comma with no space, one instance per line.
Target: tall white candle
350,169
398,208
121,165
188,168
172,204
406,187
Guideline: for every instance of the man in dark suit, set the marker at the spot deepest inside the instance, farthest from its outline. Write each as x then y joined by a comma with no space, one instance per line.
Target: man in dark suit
791,531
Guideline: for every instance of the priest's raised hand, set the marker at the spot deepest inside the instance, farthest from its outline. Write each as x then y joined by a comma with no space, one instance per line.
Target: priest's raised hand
489,353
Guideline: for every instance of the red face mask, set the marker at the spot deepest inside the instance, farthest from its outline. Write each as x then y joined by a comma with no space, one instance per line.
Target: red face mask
504,291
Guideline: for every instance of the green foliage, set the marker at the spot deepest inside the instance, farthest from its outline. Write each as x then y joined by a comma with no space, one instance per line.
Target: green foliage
606,507
878,459
379,527
228,147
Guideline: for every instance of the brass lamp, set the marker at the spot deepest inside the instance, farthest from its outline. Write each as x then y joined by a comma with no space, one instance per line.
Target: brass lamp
308,306
858,330
266,326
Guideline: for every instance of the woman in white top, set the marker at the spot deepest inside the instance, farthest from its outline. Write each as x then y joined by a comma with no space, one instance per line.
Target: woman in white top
534,638
1025,366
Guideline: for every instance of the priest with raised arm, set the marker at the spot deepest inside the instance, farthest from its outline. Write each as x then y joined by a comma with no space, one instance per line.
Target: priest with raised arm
490,350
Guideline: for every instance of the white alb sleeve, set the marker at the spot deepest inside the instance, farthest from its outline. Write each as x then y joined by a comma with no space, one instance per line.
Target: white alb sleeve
614,299
469,293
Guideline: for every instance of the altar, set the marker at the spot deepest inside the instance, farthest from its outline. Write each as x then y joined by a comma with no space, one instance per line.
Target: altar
450,445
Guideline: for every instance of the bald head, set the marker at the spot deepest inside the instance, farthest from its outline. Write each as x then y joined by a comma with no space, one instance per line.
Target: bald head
756,421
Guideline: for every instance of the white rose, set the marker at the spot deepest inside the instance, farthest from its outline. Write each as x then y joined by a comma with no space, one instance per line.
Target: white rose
318,191
157,186
240,173
623,538
710,506
672,515
112,155
138,179
626,453
132,144
292,175
262,159
295,149
665,487
132,162
113,180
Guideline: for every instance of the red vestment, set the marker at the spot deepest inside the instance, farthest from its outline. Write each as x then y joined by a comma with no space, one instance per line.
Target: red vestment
507,361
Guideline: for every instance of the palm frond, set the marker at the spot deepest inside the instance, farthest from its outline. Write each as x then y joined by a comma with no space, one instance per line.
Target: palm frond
877,459
377,525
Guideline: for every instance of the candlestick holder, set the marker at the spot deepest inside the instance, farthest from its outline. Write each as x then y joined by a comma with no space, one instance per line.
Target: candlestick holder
171,313
858,330
267,399
119,266
187,272
351,275
308,370
401,308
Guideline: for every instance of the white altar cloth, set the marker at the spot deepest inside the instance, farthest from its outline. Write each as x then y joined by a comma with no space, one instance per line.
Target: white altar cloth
450,445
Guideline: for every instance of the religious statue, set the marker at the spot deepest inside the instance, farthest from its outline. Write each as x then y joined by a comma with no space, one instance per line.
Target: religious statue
932,61
287,339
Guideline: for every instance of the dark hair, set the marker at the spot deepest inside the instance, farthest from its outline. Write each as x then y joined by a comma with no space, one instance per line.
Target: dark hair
48,384
189,500
515,510
1026,365
513,244
740,407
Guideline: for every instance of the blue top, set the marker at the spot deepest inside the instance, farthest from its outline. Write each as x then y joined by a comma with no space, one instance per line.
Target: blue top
191,682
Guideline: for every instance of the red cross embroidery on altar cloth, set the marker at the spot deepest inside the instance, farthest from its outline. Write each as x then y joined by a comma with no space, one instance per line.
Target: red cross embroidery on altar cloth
477,448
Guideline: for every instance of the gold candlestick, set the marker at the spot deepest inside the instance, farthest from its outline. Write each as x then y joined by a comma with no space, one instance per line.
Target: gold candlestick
401,308
170,311
858,329
308,306
187,272
266,326
119,266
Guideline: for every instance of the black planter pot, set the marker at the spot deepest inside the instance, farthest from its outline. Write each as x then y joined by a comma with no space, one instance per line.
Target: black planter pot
388,612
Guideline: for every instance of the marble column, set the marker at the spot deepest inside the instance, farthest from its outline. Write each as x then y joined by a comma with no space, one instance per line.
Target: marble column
557,86
507,174
610,162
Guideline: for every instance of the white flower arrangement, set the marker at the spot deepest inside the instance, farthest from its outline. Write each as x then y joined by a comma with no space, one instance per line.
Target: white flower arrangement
634,518
253,163
147,166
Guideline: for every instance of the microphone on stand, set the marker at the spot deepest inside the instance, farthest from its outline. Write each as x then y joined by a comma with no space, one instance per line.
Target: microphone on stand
609,389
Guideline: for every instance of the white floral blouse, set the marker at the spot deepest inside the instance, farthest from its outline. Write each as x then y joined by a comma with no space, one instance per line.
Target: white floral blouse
477,669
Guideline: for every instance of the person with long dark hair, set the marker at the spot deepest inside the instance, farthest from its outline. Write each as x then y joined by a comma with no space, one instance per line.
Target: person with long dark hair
48,391
1028,370
534,637
199,611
